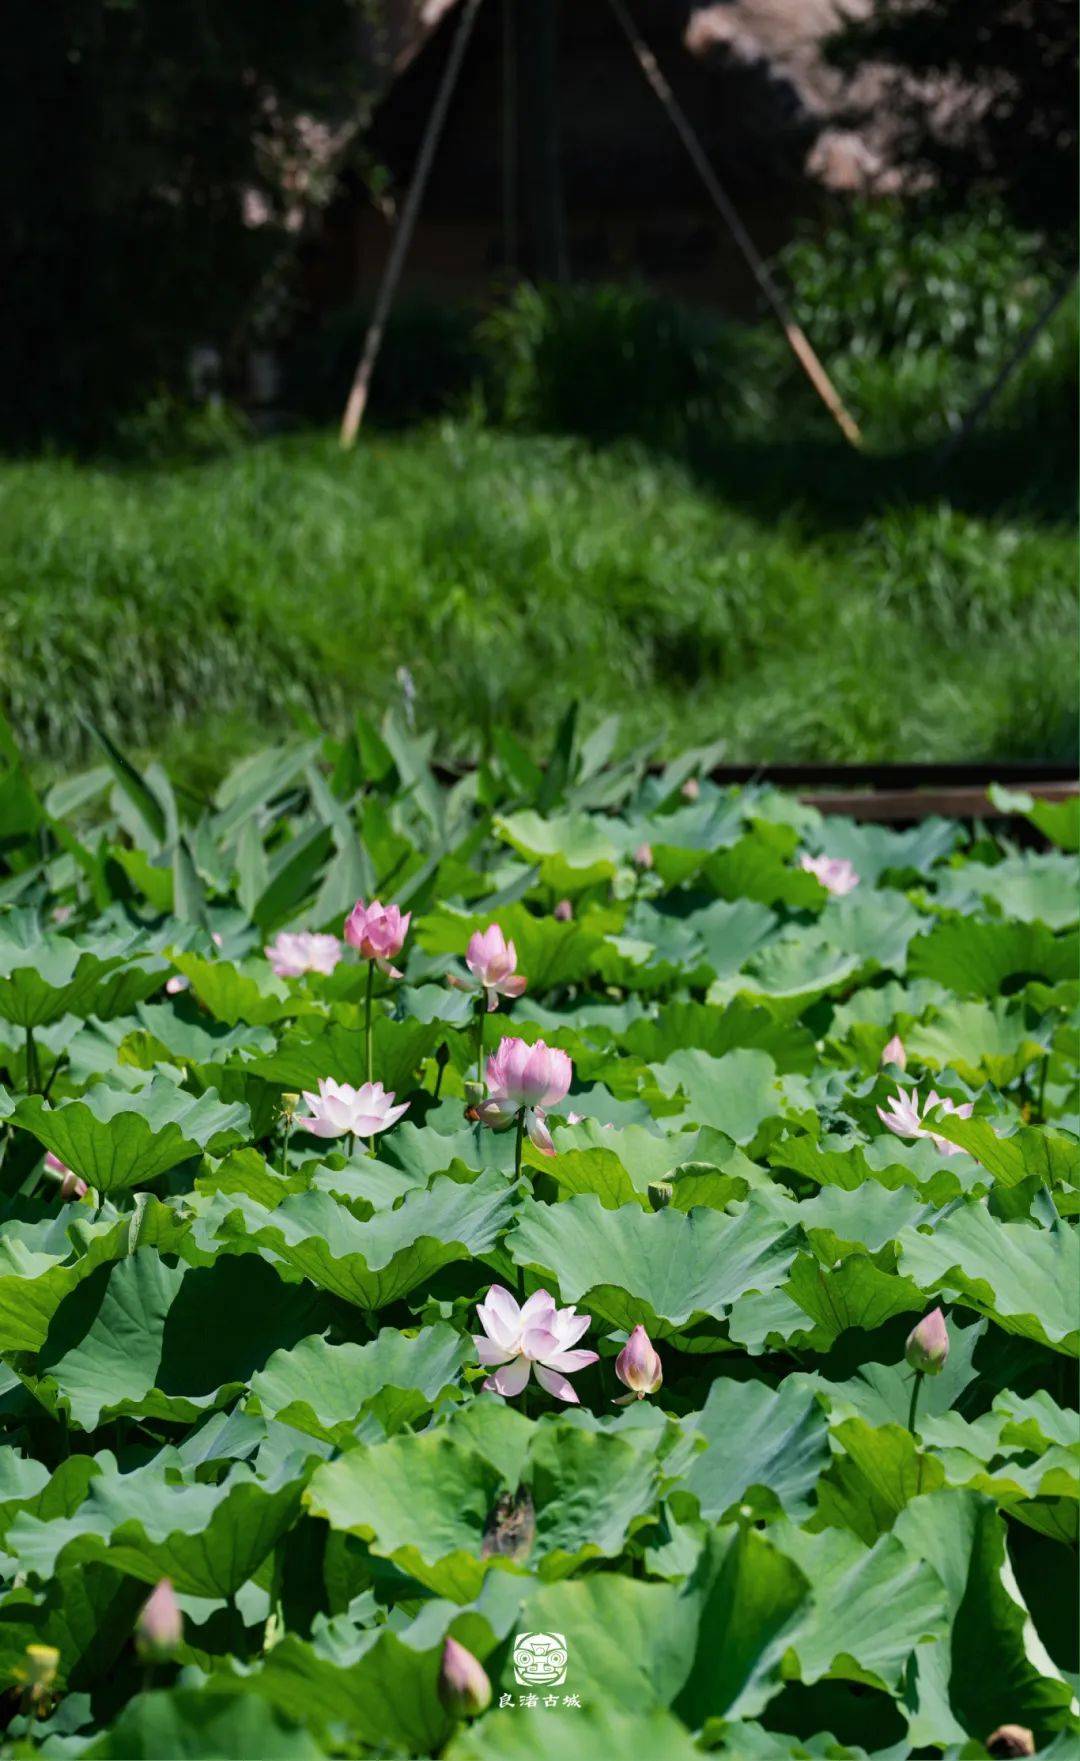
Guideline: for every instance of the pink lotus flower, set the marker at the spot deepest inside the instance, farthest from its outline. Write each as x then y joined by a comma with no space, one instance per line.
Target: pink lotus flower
903,1117
927,1345
491,959
71,1187
563,911
160,1626
338,1109
638,1366
893,1052
378,933
835,873
522,1076
537,1336
463,1686
643,856
292,955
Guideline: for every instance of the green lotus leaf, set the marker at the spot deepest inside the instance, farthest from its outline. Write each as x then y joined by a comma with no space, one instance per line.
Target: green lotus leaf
782,1448
44,975
167,1342
871,1606
990,1668
327,1049
423,1501
375,1262
1023,1278
208,1539
663,1268
979,959
322,1388
187,1721
574,851
117,1140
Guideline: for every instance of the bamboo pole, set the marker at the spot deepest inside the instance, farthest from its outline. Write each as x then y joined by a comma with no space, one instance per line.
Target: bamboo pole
798,341
1019,354
358,394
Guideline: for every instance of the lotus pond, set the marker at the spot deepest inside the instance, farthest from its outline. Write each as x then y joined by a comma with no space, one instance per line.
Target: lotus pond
612,1291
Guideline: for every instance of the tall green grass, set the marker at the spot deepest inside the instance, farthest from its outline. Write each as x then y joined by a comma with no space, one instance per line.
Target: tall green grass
794,602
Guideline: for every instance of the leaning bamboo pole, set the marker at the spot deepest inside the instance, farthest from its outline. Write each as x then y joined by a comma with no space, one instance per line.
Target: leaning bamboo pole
798,341
361,385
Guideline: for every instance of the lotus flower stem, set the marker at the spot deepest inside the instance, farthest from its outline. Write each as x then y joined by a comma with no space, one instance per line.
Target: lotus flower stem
367,1016
1040,1103
481,1011
915,1388
518,1141
33,1079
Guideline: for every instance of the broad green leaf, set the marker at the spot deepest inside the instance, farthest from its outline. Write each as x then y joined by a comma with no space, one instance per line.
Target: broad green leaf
377,1262
663,1269
117,1140
781,1446
322,1388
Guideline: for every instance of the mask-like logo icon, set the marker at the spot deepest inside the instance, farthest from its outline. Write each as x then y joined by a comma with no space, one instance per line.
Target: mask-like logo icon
540,1659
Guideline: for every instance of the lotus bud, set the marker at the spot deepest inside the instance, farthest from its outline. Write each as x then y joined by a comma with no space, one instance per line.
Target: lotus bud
691,789
563,911
638,1364
160,1626
464,1688
1010,1739
643,856
661,1193
894,1053
928,1344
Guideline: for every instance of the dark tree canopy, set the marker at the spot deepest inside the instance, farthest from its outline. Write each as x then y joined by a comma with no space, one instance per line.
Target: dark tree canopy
139,131
981,94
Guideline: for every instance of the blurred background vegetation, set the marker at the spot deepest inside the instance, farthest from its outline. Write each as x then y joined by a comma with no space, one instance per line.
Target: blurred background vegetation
617,488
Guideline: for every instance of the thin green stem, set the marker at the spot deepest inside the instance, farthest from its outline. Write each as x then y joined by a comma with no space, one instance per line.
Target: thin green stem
350,1145
481,1011
285,1146
916,1386
33,1079
367,1016
1040,1103
518,1142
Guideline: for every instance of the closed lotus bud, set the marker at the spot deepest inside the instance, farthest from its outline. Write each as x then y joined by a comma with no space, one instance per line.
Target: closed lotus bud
893,1053
464,1688
160,1626
638,1364
643,856
1010,1739
661,1193
691,789
928,1344
563,911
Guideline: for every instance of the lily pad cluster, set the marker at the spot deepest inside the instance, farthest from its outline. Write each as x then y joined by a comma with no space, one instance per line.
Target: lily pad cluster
275,1477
